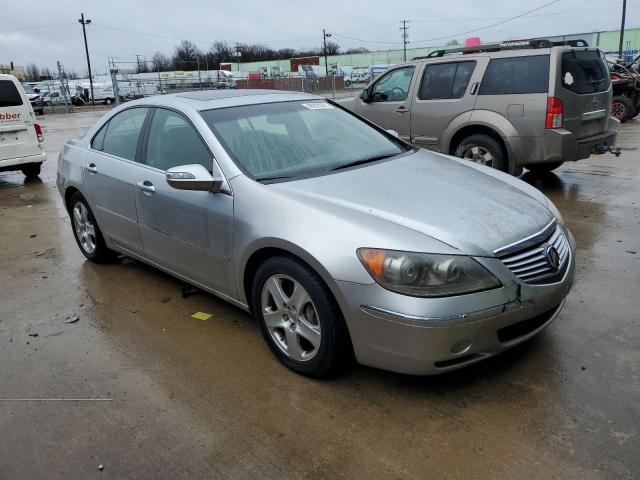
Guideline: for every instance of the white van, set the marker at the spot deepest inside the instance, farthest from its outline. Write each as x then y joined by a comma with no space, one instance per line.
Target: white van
20,136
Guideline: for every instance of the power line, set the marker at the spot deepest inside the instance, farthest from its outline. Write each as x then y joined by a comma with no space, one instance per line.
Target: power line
34,27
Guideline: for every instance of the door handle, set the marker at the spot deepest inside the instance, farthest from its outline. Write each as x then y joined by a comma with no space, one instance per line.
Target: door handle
474,88
91,168
402,109
147,187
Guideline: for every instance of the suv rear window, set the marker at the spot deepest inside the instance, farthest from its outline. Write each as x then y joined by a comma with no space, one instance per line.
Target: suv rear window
584,71
9,95
516,75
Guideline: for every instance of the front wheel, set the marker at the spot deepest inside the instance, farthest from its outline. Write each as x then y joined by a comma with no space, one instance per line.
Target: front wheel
483,149
622,108
543,167
86,231
299,318
31,170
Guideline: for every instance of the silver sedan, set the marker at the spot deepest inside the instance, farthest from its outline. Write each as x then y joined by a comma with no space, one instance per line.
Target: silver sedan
342,240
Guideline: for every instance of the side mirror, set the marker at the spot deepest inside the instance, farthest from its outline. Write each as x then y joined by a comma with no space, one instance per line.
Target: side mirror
394,133
364,95
193,177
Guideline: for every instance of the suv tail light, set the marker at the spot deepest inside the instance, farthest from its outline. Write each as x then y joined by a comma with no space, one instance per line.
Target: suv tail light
39,132
554,113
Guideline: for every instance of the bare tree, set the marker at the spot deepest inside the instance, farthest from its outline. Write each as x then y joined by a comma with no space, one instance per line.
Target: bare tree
142,66
72,75
161,63
357,50
332,48
452,43
31,72
186,56
219,52
46,74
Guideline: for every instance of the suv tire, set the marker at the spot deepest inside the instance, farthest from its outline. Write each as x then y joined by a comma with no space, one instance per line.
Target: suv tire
543,167
483,149
31,170
622,108
98,252
287,328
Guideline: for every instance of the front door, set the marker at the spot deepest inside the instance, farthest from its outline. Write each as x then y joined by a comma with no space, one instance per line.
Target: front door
111,171
187,232
447,94
389,103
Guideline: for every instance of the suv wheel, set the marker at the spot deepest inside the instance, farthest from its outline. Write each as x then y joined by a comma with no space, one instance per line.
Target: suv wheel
484,150
543,167
622,108
31,170
299,318
86,231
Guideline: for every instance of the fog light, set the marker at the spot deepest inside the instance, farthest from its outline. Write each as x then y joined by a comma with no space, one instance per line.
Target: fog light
461,346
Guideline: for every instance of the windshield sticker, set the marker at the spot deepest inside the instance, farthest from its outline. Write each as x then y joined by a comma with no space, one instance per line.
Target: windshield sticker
568,78
317,106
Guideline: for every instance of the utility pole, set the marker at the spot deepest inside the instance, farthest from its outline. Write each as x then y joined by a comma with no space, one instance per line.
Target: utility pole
86,49
405,36
325,35
238,54
624,12
138,63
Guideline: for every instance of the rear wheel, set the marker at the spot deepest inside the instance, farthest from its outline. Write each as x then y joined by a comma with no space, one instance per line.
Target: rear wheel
622,108
483,149
299,318
543,167
31,170
86,231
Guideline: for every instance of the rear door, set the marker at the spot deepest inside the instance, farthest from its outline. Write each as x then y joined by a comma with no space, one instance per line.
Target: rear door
17,132
516,87
582,83
447,90
111,174
389,103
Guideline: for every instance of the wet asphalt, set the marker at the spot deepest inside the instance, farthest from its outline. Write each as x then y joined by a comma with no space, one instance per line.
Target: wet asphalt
137,386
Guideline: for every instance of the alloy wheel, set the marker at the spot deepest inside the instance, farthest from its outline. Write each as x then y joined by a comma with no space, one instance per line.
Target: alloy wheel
618,110
84,228
291,317
479,155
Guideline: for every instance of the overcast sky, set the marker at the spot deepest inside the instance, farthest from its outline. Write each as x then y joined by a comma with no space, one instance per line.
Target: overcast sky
46,31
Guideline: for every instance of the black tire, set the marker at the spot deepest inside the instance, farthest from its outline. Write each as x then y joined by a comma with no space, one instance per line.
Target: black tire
622,108
334,353
543,167
499,159
101,254
31,170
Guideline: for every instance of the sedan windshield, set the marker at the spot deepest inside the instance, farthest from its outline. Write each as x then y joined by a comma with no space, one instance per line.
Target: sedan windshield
291,139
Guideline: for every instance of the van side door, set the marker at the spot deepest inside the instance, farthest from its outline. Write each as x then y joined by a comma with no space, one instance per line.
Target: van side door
444,100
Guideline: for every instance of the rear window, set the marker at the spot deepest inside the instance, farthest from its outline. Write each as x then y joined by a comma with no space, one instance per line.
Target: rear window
9,94
516,75
584,71
446,80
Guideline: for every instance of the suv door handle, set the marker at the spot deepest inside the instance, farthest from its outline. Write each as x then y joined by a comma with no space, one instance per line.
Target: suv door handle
474,88
147,187
91,168
402,109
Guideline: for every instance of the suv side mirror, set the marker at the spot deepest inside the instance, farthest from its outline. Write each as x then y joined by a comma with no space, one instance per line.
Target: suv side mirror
193,177
364,95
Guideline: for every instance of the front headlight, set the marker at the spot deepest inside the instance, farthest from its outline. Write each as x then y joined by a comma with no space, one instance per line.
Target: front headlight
556,213
426,274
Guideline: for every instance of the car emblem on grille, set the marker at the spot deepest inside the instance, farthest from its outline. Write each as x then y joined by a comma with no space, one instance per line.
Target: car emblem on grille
553,257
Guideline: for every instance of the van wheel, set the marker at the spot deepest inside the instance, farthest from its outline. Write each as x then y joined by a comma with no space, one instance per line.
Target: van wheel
31,170
543,167
299,318
107,101
622,108
86,231
483,149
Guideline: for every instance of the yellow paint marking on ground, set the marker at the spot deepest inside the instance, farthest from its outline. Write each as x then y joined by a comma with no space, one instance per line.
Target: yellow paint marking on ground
201,316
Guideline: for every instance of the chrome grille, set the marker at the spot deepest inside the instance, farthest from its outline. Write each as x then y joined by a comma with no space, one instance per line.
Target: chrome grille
531,264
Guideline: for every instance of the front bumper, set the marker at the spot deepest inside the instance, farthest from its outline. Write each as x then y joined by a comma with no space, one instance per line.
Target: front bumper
429,336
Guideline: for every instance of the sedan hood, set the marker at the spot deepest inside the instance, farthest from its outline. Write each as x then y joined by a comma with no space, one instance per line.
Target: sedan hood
469,208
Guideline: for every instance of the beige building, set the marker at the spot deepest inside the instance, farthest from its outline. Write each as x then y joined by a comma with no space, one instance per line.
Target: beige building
11,69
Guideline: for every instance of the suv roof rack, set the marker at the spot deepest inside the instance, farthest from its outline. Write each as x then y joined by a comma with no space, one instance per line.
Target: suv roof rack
508,45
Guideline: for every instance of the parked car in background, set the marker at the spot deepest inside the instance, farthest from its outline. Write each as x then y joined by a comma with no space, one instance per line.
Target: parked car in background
340,238
52,98
532,104
20,136
37,104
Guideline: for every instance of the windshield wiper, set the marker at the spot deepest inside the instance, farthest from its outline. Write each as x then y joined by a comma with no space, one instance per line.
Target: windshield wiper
363,161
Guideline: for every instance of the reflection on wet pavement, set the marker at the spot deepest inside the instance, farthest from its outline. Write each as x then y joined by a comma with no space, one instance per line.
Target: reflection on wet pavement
192,399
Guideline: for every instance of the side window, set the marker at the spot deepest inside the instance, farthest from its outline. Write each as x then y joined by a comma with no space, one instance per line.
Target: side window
516,75
173,141
446,80
98,139
122,133
393,86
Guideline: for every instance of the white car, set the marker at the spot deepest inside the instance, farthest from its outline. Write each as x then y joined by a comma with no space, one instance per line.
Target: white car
20,136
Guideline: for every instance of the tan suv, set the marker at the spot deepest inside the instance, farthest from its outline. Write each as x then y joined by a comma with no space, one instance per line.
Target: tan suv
531,103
